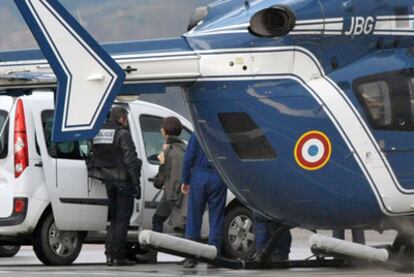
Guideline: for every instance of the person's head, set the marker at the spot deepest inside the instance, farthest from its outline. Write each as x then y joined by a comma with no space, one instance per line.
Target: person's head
119,115
171,126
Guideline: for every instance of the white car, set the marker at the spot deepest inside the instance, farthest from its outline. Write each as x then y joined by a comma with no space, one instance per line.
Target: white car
47,200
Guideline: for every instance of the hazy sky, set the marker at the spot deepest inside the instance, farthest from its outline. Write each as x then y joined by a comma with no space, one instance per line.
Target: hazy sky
112,20
107,20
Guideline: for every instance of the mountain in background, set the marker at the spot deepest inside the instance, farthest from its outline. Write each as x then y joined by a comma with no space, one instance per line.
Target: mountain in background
112,20
107,20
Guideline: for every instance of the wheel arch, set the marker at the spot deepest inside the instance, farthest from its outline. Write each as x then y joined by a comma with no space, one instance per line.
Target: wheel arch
45,213
233,204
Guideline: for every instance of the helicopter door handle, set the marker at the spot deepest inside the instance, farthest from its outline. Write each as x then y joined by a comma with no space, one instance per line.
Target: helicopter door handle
151,180
39,164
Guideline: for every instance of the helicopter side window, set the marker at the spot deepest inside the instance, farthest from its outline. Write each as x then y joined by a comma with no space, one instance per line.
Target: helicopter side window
388,100
246,138
411,85
376,97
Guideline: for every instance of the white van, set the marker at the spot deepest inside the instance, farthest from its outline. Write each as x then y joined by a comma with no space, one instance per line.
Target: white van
47,200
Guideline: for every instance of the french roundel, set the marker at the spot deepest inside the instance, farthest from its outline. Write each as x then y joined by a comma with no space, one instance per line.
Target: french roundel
313,150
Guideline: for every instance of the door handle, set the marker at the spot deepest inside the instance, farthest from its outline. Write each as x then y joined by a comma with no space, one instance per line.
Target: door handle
39,164
151,180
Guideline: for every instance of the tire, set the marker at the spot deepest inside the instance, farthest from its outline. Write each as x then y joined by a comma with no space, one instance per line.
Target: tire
7,251
239,234
54,247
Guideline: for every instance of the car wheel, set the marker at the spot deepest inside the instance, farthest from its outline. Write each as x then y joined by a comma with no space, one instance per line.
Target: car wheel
54,247
239,236
7,251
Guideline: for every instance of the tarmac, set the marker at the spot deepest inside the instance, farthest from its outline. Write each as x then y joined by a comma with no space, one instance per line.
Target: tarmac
91,263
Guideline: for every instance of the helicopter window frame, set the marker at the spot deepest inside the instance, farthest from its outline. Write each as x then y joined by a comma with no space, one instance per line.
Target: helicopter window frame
397,99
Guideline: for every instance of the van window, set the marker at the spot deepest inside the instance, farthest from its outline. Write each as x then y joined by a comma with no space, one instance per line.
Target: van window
4,134
153,140
71,150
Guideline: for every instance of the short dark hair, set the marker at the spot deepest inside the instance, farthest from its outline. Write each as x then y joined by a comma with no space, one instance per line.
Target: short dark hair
116,113
172,126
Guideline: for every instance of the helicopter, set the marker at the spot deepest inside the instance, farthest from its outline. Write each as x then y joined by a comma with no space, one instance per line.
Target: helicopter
305,107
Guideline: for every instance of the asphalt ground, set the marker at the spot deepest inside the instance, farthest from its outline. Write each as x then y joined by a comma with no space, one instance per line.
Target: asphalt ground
91,263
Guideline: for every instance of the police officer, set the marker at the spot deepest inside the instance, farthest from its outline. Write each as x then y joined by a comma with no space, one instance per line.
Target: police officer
204,185
114,160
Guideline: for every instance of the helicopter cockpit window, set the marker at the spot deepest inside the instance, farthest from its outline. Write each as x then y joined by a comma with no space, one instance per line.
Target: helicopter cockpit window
388,99
246,138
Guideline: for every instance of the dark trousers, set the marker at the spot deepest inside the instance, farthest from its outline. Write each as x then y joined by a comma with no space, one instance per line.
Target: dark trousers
206,187
161,214
158,223
357,235
263,235
121,204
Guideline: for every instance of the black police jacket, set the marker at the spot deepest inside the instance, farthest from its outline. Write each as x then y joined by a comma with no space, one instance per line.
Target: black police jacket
113,156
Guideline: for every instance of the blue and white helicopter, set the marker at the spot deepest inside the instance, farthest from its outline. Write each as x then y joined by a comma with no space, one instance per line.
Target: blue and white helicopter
305,107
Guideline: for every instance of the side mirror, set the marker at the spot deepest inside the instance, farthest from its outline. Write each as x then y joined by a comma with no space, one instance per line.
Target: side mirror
275,21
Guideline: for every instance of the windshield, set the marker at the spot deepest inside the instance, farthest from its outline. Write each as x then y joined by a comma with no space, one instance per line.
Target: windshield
3,134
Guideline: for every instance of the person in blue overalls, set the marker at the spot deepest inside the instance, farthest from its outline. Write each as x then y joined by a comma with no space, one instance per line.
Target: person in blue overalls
204,186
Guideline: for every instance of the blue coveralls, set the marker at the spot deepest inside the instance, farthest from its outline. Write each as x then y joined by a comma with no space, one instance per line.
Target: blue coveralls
206,186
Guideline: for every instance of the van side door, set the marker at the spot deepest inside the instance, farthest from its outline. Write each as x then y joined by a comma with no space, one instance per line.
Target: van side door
6,159
148,120
78,203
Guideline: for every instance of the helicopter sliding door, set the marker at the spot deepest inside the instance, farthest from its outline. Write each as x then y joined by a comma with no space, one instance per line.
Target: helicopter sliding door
388,102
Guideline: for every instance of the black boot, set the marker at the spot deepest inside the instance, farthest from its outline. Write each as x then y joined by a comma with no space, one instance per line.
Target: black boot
146,258
109,260
190,263
152,256
123,262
